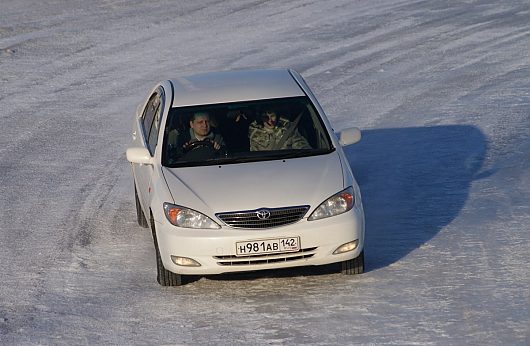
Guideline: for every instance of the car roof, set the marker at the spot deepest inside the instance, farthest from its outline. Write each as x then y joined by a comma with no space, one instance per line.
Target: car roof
234,86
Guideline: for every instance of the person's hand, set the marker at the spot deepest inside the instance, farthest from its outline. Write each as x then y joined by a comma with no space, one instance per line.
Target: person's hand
215,145
241,115
237,115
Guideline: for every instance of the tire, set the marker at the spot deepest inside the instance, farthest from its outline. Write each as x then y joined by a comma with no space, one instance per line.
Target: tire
354,266
140,216
164,276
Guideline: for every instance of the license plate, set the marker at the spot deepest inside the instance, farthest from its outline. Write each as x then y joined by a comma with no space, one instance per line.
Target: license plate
267,246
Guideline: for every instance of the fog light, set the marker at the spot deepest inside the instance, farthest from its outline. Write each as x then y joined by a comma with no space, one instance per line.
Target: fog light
347,247
185,261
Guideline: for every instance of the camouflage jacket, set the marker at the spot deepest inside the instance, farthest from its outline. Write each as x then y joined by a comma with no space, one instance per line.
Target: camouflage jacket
262,138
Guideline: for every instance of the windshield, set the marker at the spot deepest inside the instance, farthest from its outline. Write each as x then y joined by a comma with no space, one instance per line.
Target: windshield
243,132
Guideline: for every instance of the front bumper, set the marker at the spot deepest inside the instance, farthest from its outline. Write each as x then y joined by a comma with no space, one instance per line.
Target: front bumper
215,250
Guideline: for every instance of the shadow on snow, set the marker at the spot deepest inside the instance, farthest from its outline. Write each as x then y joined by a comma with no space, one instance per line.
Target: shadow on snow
414,181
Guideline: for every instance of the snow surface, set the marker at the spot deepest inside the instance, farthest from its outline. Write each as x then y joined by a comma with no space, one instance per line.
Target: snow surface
441,90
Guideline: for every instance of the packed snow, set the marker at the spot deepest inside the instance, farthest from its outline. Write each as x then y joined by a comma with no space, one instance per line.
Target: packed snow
440,89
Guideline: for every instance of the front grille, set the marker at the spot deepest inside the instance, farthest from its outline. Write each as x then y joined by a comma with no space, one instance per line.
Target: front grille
265,259
264,217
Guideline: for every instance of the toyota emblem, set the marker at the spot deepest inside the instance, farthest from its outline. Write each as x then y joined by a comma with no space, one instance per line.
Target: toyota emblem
263,214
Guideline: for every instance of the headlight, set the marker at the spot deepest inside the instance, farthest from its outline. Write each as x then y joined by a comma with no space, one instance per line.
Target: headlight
335,205
187,218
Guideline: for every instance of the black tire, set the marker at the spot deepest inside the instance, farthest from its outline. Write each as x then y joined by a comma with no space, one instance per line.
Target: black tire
164,276
140,216
354,266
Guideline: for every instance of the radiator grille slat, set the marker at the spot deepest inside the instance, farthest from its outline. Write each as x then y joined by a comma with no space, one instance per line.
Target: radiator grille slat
276,217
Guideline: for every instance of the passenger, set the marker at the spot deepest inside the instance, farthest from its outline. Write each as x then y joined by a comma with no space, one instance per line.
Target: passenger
270,132
201,131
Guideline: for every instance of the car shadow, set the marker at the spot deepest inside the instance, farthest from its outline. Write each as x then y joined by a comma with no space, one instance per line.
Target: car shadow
414,181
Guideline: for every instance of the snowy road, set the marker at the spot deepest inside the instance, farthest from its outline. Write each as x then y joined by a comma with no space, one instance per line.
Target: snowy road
441,90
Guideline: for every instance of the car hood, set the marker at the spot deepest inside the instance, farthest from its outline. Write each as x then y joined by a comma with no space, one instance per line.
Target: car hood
248,186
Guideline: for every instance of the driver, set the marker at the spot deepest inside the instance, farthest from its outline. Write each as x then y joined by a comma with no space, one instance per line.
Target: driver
201,131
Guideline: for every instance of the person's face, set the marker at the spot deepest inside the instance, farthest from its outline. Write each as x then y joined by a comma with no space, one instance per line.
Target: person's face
270,120
201,125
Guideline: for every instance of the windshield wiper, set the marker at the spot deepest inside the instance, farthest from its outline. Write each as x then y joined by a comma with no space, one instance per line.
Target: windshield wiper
303,153
255,157
278,155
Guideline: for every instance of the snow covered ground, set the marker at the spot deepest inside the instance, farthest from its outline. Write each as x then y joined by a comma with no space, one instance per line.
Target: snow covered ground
441,90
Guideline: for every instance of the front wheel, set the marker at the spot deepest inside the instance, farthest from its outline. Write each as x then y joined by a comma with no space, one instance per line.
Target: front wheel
164,276
354,266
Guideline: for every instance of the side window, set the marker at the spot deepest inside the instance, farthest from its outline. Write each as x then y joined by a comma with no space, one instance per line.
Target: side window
151,119
153,133
149,114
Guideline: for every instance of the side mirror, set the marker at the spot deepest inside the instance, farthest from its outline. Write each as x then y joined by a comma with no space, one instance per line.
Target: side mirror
139,155
349,136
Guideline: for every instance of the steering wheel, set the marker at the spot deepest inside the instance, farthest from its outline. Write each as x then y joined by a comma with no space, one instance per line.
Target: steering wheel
207,144
200,150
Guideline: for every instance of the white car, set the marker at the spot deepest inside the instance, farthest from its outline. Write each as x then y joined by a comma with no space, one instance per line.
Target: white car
241,171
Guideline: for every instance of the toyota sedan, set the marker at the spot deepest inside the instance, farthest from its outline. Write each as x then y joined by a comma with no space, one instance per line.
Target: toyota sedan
242,171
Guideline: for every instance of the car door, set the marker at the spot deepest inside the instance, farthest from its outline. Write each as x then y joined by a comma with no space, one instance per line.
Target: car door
149,125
